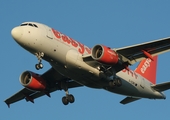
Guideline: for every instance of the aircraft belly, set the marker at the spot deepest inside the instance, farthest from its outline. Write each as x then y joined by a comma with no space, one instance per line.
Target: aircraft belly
76,69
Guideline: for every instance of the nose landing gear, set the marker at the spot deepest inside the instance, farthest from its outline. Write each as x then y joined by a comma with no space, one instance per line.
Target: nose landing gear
39,66
39,55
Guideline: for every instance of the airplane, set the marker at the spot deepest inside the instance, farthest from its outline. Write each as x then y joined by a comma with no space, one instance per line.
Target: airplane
75,65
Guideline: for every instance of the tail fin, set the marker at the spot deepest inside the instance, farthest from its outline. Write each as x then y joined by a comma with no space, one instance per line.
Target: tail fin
147,69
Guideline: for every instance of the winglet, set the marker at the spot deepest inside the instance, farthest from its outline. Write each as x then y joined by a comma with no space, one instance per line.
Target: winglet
8,104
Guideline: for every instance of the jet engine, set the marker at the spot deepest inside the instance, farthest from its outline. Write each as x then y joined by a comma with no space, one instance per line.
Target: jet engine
32,81
104,55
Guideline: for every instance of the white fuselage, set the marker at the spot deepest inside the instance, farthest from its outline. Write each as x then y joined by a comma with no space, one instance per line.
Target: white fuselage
66,56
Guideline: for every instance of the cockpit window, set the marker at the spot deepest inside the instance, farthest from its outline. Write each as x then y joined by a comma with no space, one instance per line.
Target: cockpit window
29,24
35,25
24,24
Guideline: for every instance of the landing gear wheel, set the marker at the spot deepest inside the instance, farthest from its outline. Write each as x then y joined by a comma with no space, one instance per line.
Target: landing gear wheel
118,82
68,98
39,66
65,100
111,84
71,98
115,83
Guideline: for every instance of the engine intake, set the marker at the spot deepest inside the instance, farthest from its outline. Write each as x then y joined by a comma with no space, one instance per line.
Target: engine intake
32,81
104,55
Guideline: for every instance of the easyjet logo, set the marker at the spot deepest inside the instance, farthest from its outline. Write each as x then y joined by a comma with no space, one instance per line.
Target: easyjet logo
145,65
81,48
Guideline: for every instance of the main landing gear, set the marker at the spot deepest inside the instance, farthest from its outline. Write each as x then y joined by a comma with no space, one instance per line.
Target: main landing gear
69,98
39,55
115,83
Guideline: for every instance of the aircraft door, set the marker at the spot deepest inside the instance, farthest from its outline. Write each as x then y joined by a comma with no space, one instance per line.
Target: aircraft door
49,32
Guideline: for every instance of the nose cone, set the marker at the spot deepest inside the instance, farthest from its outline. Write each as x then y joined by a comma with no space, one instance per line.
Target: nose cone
17,33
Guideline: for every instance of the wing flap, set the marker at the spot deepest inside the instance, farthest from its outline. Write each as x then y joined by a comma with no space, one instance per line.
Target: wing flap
161,87
128,100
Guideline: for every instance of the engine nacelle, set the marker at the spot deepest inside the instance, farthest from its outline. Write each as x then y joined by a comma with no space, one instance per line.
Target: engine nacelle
104,55
32,81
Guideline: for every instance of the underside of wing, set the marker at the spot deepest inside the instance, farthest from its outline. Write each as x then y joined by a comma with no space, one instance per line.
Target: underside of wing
54,80
18,96
138,52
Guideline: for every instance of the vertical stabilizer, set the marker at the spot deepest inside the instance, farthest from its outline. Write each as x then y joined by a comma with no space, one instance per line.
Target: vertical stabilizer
147,68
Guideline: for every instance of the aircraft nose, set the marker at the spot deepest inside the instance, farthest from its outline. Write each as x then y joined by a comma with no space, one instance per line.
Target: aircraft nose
17,33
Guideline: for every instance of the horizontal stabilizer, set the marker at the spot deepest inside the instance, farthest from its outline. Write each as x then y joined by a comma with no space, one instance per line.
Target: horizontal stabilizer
161,87
128,100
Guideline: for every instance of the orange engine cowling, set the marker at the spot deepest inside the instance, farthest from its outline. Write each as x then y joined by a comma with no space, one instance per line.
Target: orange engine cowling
32,81
104,55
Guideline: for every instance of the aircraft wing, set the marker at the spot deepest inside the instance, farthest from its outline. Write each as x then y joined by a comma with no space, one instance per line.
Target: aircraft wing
138,52
30,95
131,54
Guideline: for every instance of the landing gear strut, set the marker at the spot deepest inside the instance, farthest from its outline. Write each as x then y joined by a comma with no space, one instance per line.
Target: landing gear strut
39,55
69,98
